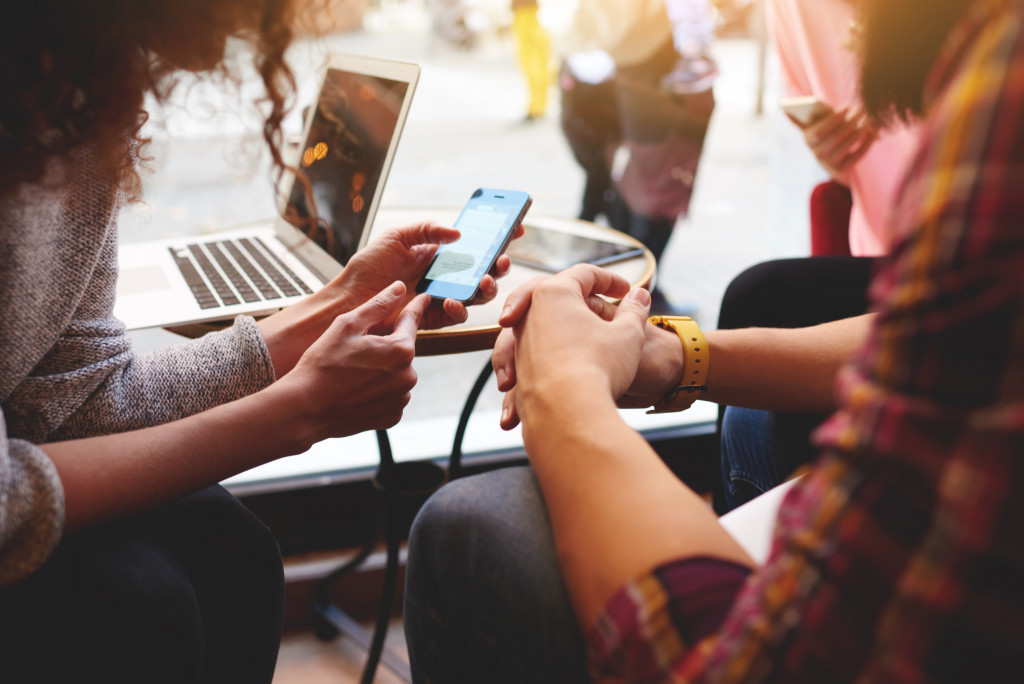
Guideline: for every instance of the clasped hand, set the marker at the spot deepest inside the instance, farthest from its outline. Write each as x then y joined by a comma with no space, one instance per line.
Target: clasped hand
560,333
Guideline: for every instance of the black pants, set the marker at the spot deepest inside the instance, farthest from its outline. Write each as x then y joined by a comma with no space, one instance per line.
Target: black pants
190,592
795,293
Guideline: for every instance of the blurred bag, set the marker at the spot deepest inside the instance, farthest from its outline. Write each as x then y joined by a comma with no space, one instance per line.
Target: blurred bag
662,139
657,178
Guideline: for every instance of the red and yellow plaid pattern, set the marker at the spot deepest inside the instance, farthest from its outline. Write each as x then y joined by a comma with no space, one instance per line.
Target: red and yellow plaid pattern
900,556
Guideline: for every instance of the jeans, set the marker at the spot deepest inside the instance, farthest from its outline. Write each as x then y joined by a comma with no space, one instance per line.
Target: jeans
748,454
484,598
760,449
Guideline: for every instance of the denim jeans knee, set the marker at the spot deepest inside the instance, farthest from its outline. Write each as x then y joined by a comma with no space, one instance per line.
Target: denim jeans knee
484,595
749,454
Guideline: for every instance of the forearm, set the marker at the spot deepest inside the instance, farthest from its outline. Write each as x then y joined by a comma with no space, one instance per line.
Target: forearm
114,475
615,508
347,382
790,370
289,332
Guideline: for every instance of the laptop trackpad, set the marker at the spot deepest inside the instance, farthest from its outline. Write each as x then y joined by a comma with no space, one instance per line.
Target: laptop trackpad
142,279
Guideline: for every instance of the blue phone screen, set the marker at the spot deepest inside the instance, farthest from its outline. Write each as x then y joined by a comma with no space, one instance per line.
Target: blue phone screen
483,228
485,225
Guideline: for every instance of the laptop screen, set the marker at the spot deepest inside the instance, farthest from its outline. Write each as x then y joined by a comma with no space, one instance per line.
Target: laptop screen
344,157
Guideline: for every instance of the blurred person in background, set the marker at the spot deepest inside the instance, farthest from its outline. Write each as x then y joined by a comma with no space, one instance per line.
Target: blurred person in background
850,227
693,33
637,97
815,41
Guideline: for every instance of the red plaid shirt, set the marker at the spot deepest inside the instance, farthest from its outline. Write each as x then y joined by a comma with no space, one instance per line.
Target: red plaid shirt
900,556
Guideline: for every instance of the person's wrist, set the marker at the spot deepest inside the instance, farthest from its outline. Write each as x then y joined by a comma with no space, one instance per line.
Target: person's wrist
293,406
289,332
560,392
673,359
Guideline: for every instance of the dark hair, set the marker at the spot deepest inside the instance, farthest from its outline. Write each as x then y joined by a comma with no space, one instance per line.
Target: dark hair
74,75
901,40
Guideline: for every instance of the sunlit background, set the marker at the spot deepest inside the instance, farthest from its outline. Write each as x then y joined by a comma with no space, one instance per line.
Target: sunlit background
465,130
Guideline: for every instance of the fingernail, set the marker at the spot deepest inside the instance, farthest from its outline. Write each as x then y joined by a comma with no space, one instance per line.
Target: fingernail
506,311
397,287
505,412
640,296
501,375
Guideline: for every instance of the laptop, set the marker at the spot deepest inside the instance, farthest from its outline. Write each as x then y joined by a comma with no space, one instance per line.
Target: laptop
348,145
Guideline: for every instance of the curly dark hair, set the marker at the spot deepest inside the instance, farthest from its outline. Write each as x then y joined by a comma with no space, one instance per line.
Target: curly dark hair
74,75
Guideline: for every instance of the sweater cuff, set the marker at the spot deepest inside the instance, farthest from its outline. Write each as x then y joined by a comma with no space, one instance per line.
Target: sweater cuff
31,512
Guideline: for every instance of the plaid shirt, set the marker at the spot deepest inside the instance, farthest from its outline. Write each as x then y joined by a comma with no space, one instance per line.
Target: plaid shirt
900,555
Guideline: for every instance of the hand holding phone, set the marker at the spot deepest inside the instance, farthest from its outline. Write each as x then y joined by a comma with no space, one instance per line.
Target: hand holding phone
838,138
805,110
487,224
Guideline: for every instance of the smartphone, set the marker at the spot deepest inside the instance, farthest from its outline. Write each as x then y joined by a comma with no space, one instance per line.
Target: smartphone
487,224
806,109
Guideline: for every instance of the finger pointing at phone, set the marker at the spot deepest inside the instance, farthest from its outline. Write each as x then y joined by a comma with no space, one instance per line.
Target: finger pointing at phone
355,379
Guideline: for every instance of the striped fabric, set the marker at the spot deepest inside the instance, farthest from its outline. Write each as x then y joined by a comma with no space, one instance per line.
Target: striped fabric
900,556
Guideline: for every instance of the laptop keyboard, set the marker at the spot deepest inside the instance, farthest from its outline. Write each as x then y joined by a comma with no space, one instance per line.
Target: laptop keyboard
248,272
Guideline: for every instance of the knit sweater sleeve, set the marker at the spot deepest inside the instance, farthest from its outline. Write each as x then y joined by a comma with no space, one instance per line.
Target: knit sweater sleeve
31,507
68,368
92,383
113,392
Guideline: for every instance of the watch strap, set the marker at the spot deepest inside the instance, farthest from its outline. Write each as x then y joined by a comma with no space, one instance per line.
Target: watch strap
696,363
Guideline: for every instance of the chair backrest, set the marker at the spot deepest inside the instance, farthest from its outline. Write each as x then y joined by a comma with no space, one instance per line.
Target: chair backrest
831,204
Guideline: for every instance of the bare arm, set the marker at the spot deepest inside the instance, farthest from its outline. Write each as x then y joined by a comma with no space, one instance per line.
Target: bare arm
615,509
570,360
790,370
782,369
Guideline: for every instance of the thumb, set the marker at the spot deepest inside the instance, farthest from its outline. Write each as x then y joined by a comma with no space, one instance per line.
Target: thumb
409,320
381,308
635,305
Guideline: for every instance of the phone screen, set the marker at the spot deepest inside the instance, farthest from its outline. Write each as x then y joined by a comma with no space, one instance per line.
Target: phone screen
486,224
805,110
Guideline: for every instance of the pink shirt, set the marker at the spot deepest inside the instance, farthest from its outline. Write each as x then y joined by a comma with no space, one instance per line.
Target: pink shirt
811,37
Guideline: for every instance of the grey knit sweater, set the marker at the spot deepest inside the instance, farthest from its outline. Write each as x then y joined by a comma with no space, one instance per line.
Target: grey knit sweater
67,369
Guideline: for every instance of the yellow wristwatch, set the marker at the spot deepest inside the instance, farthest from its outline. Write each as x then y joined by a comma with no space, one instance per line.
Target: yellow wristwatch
696,362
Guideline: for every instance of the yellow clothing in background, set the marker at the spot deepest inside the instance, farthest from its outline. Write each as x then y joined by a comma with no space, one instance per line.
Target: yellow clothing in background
534,58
